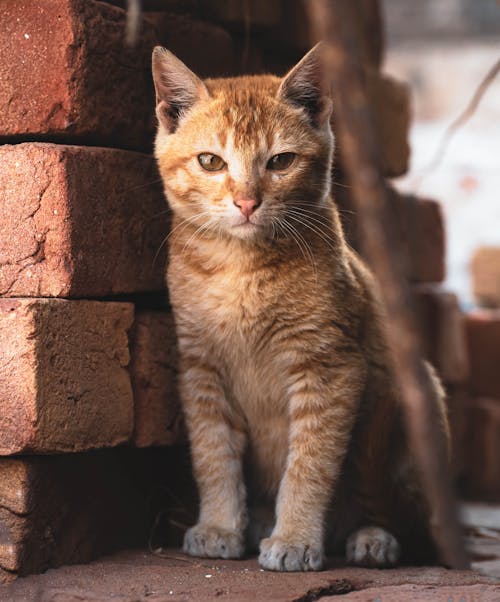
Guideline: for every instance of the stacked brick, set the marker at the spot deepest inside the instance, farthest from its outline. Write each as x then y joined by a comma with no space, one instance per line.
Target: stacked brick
87,345
482,474
82,221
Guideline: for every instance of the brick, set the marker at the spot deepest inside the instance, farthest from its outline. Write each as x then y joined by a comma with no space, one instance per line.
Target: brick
66,72
235,14
180,6
63,375
482,477
390,102
419,224
79,221
73,508
442,332
483,341
189,38
485,272
153,368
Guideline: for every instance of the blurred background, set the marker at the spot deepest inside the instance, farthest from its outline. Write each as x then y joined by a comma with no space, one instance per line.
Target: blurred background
443,49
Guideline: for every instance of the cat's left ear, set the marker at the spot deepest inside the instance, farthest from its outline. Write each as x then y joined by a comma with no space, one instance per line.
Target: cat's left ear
177,88
307,86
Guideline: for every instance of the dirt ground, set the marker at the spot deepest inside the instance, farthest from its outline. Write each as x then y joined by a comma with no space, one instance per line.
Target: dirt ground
169,576
139,576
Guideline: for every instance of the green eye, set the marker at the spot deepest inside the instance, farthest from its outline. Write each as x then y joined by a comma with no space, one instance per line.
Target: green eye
281,161
211,162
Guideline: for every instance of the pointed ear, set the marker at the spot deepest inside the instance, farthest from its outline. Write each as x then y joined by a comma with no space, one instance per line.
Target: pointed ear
177,88
307,86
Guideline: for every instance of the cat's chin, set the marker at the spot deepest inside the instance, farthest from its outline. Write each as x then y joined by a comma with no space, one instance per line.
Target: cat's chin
245,230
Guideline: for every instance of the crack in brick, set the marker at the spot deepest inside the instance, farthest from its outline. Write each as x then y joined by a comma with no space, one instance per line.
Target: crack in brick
38,255
338,587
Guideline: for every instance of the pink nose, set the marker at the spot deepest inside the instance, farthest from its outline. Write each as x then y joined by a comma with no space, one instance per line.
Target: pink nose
247,206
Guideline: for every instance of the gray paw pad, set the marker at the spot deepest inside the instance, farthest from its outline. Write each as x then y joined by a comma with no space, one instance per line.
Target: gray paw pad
213,542
372,547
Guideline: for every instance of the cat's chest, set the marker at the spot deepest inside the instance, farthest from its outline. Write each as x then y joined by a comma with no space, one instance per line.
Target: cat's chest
233,305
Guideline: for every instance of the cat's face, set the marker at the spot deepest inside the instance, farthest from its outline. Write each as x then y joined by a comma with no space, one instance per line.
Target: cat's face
245,157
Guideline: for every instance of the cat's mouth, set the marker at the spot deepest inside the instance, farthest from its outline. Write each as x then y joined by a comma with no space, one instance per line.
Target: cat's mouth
247,224
245,228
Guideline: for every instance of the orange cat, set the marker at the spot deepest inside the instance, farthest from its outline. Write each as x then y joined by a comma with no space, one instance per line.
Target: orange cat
292,413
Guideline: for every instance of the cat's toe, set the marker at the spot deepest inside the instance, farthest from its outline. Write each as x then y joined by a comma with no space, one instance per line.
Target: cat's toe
277,554
372,547
213,542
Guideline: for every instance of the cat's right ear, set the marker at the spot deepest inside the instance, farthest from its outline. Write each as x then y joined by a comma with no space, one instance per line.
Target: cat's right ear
177,88
307,86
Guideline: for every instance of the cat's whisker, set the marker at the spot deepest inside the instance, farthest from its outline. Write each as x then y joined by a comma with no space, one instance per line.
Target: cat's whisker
323,235
185,222
305,207
200,231
335,183
302,244
150,183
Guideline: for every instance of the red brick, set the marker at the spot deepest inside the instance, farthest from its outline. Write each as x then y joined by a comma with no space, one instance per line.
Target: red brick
368,30
190,38
153,368
261,13
79,221
390,102
442,332
485,271
68,508
65,71
420,226
483,341
482,477
181,6
63,375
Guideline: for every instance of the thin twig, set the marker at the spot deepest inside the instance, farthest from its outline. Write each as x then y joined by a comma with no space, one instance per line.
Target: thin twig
334,21
457,123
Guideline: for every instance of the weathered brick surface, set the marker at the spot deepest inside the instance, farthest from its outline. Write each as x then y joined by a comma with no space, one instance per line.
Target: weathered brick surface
485,271
482,475
79,221
65,71
64,384
67,509
419,223
153,368
442,332
483,341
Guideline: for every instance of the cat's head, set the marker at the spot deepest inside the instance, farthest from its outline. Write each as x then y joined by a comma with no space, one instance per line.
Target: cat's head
243,156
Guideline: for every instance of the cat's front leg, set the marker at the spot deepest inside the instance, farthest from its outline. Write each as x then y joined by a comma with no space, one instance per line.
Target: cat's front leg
217,445
321,420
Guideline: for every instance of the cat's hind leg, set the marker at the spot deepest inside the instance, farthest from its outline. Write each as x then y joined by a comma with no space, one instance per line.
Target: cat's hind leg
372,547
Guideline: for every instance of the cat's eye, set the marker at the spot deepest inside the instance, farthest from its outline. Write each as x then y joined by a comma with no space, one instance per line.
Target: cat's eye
211,162
281,161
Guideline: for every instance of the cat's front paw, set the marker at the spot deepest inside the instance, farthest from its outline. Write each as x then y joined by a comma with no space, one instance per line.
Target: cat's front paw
277,554
213,542
372,547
